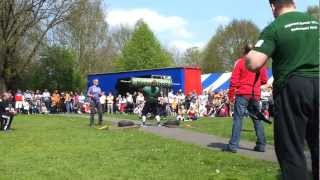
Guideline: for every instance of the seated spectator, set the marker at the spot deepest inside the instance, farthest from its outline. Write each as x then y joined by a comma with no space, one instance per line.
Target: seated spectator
7,112
192,114
181,113
174,106
43,109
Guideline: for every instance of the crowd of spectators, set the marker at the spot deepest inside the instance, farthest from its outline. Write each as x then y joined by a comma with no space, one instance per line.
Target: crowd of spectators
182,106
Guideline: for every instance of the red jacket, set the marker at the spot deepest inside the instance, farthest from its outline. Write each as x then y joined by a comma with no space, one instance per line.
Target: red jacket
242,81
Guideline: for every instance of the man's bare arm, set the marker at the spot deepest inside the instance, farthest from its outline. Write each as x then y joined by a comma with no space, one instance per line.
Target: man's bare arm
255,60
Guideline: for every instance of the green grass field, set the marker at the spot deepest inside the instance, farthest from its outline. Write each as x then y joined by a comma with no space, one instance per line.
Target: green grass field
217,126
55,147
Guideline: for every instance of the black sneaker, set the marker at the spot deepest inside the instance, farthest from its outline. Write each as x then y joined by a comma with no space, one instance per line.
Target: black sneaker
229,150
259,149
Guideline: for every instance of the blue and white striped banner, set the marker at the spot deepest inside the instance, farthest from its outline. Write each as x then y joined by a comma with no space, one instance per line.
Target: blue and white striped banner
221,81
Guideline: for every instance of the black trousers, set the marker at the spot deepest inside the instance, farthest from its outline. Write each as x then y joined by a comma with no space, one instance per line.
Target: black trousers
5,122
151,107
297,120
95,107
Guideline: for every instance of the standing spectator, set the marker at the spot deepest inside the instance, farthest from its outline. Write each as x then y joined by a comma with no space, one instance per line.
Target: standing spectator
203,100
245,91
76,103
129,99
292,41
181,97
82,99
265,96
103,100
28,96
46,99
118,102
171,98
139,104
38,99
110,103
67,102
55,101
123,104
19,101
62,104
94,93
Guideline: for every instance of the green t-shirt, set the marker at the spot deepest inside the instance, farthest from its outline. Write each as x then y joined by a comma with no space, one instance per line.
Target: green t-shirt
292,41
151,93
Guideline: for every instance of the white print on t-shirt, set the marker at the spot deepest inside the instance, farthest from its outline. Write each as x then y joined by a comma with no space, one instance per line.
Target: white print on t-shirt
302,26
259,43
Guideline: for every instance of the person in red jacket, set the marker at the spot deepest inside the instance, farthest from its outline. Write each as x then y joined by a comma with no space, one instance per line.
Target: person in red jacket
244,92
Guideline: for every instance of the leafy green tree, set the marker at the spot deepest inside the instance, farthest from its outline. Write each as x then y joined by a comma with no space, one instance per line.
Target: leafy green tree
314,11
227,45
143,51
56,70
192,57
23,28
86,31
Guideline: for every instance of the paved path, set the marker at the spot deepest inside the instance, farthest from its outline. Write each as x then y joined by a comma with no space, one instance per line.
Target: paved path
204,140
211,142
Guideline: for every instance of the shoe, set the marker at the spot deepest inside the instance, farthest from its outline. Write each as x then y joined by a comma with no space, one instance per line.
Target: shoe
159,125
229,150
259,149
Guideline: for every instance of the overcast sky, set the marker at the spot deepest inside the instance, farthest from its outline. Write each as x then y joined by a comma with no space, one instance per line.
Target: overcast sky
187,23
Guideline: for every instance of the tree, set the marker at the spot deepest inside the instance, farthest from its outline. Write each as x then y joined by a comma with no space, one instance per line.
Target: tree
314,11
227,45
121,36
19,19
177,56
143,51
56,70
87,33
192,57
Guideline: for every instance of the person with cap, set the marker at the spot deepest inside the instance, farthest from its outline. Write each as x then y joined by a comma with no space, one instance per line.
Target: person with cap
244,92
151,94
292,41
94,93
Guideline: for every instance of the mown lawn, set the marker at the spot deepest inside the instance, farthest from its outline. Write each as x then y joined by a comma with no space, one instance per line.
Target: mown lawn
55,147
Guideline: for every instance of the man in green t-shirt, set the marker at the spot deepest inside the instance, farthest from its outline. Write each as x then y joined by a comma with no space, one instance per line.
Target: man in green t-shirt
151,94
292,41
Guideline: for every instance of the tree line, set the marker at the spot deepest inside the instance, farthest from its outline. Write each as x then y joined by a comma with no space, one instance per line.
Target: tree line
55,44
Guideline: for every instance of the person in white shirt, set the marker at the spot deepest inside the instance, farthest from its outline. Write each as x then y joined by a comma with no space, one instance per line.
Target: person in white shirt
139,104
103,99
110,102
129,107
181,97
46,98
